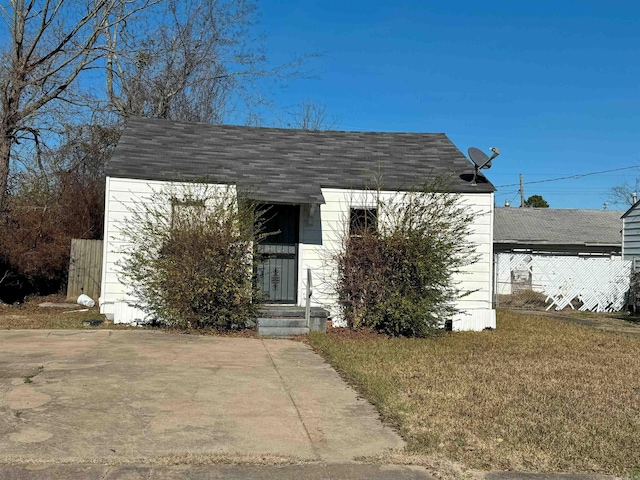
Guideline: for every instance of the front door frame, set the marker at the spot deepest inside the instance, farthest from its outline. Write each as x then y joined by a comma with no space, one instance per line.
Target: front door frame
294,228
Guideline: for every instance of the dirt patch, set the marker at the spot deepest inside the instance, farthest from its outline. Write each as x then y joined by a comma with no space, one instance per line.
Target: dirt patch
242,333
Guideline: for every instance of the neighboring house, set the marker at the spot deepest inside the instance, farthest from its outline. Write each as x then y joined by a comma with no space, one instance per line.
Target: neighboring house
631,235
573,256
316,181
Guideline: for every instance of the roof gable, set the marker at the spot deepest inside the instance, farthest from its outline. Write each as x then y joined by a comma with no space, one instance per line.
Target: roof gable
631,209
285,165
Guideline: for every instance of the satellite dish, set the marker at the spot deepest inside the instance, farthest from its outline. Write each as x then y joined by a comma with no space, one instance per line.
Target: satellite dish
481,160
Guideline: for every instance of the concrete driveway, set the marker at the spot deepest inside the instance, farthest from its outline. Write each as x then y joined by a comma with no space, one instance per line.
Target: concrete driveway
101,396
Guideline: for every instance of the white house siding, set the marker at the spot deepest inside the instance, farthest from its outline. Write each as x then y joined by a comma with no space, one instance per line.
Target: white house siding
631,236
321,236
121,196
321,231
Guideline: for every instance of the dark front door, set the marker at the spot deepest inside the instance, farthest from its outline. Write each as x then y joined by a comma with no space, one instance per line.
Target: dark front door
278,269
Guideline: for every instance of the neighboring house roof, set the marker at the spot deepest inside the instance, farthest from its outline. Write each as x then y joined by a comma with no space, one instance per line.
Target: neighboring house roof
286,165
555,226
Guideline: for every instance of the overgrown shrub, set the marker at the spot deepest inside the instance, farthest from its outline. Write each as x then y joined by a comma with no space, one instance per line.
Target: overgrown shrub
190,262
58,198
398,278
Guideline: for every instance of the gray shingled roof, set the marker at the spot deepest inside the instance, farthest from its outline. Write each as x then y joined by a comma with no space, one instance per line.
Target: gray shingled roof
285,165
554,226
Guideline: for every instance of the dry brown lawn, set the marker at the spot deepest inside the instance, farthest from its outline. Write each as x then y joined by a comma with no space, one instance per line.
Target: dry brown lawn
535,394
28,315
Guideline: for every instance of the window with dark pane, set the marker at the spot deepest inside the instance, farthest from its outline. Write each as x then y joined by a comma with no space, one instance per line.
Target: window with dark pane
363,221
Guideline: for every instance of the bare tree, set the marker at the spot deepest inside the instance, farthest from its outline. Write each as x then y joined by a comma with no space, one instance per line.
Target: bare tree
50,44
625,194
312,116
190,61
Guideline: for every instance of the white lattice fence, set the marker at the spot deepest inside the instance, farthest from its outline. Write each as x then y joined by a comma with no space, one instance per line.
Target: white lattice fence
599,283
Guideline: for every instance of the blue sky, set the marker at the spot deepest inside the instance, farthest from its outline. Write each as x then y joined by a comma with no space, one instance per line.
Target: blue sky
554,84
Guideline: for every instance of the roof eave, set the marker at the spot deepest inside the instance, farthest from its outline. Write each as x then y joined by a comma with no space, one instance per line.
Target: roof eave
631,208
547,243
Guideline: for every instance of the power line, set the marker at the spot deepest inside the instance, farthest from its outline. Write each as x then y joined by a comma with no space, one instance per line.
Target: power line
579,175
567,192
507,193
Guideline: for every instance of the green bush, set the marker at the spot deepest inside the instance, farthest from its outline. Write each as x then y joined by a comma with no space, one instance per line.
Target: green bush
190,262
398,315
399,277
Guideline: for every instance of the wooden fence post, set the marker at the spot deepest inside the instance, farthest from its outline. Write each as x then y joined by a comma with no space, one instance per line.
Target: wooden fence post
85,269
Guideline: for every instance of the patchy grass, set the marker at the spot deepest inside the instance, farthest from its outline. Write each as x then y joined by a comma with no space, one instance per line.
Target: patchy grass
29,316
535,394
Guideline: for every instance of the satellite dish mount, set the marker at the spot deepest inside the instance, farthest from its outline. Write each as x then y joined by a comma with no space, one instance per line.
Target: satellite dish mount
481,160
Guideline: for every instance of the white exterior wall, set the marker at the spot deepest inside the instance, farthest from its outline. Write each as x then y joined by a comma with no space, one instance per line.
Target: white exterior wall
631,236
320,238
121,196
321,234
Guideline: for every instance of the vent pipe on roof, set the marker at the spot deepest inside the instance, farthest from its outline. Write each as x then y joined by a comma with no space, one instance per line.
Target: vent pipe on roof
634,197
507,203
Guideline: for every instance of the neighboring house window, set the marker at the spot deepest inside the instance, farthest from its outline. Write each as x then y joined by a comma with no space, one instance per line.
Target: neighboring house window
186,213
363,221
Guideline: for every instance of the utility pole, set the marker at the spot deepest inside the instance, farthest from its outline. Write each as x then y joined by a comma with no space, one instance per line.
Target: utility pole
521,192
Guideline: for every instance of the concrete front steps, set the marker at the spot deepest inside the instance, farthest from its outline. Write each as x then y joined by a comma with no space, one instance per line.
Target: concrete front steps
284,321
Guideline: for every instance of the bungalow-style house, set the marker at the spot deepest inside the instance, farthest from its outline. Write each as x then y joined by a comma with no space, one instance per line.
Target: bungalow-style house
316,181
631,236
573,256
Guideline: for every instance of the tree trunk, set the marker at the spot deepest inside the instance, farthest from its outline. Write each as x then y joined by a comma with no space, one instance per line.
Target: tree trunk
5,156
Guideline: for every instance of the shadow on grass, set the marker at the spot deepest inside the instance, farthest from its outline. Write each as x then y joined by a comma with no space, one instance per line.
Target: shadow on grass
633,319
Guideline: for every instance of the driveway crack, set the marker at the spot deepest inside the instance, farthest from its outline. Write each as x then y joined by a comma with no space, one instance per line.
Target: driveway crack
106,473
288,392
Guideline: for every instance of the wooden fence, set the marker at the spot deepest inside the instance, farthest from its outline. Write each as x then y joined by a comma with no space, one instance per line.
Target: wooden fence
85,269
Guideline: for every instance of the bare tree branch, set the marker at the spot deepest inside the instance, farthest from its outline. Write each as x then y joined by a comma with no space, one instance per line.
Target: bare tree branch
191,64
51,44
623,195
312,116
192,60
5,275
